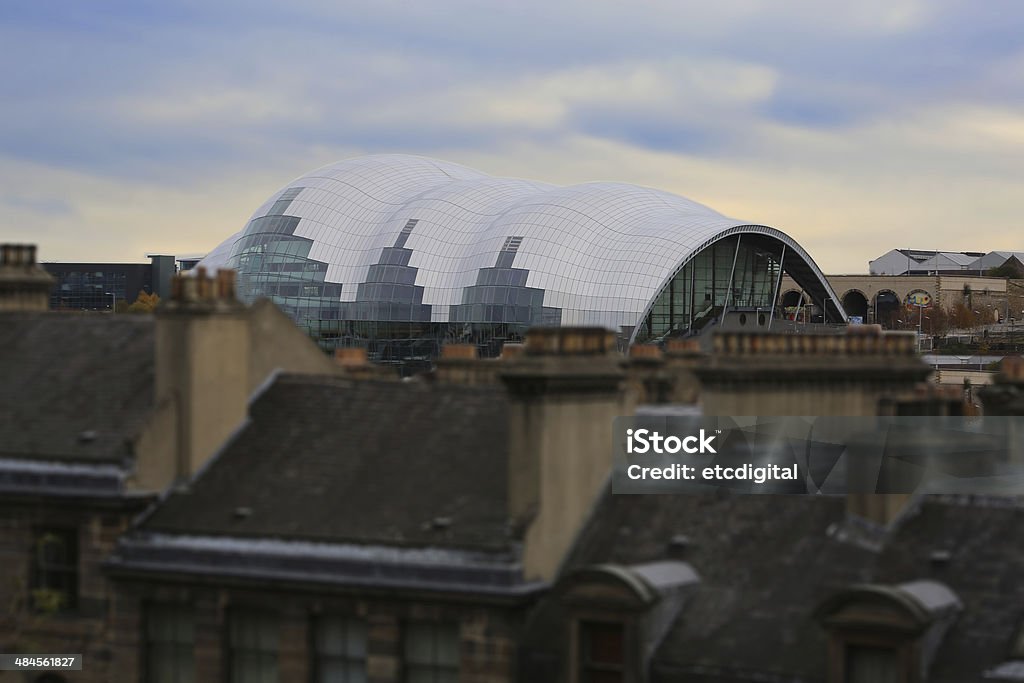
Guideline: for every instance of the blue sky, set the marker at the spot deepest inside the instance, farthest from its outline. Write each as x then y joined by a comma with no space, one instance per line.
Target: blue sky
130,127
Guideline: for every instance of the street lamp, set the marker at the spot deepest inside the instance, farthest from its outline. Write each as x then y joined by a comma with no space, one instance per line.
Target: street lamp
113,301
921,315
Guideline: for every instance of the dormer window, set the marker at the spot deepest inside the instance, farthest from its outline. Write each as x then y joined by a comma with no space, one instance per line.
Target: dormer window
618,615
882,633
872,664
602,652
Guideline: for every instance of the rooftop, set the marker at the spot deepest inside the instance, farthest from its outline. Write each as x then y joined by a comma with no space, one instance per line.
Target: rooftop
316,456
77,387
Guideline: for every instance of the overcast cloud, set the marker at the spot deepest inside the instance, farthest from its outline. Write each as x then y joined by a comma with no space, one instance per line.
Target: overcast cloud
138,126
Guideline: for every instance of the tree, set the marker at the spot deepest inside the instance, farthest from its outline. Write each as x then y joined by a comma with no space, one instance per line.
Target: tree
937,321
962,317
144,303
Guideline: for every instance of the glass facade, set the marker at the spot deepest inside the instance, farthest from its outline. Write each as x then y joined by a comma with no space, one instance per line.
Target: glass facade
100,286
401,254
97,286
733,274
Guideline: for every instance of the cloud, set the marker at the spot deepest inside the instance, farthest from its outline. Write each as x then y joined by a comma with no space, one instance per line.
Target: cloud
161,126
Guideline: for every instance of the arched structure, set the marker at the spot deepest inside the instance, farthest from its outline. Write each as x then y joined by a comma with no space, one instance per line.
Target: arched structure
855,303
887,307
400,253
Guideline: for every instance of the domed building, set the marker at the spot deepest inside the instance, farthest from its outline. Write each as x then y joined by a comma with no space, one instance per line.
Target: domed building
401,254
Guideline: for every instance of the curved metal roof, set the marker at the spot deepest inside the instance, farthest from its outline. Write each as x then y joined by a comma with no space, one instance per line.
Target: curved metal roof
601,252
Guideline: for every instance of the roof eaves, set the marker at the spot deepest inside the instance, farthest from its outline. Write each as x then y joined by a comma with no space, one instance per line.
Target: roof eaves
343,565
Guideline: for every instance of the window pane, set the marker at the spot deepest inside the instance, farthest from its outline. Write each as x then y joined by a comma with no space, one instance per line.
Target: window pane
340,650
602,652
603,643
356,639
253,639
447,645
55,569
169,644
356,672
419,645
871,665
431,651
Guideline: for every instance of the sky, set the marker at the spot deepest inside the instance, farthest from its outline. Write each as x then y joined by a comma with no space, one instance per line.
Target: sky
135,126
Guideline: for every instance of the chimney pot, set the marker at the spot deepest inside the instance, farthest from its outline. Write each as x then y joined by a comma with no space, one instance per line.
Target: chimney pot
458,351
511,350
351,356
644,351
1012,369
226,284
682,346
569,341
190,289
864,330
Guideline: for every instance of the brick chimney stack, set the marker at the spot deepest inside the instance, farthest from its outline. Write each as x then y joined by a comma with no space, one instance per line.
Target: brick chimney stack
24,285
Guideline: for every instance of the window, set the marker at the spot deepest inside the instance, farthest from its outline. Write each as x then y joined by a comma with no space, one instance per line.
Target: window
602,652
431,652
170,638
340,649
252,638
866,664
55,570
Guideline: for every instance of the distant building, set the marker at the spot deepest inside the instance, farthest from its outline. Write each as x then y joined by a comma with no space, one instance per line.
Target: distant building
894,300
400,254
186,263
934,262
99,286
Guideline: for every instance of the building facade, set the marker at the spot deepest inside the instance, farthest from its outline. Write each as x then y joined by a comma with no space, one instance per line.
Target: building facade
100,286
226,504
401,254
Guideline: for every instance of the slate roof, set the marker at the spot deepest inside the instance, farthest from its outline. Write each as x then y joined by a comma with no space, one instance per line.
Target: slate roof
766,562
316,462
74,387
984,539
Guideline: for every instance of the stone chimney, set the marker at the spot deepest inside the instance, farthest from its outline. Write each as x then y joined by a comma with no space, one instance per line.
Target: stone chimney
202,371
565,388
1006,395
459,364
24,285
646,378
354,363
681,357
794,375
213,354
864,372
